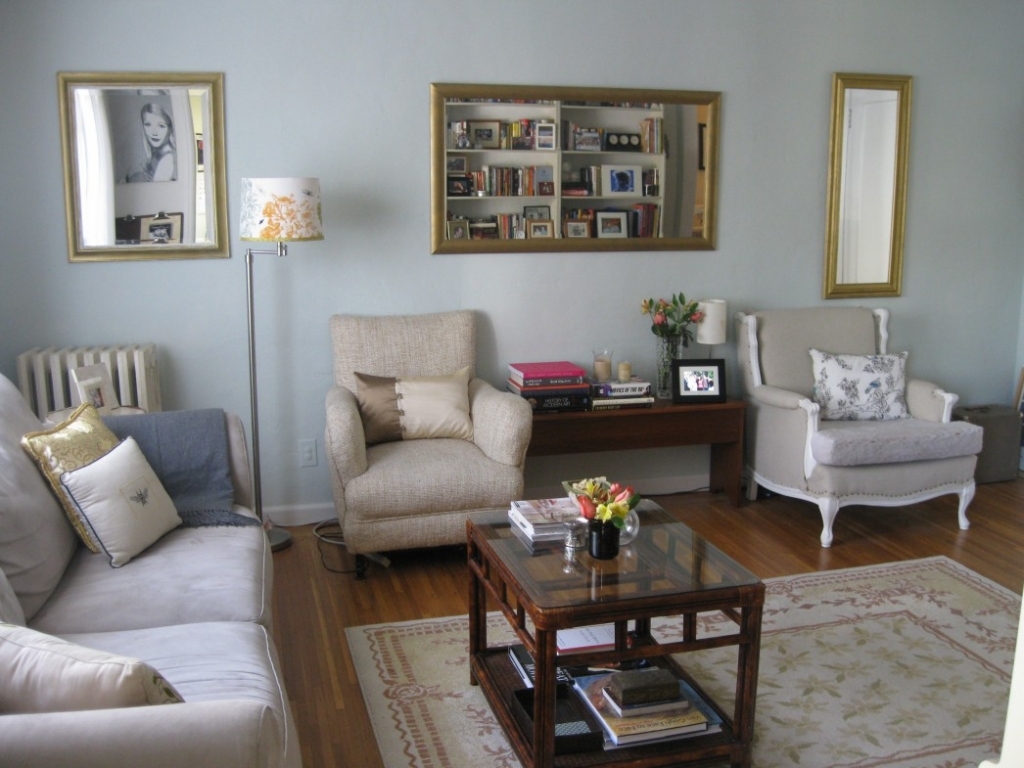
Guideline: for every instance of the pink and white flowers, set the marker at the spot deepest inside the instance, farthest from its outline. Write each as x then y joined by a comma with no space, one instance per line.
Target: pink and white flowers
601,500
672,317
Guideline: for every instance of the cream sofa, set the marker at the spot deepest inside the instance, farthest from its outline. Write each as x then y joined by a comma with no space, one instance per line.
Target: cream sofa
195,606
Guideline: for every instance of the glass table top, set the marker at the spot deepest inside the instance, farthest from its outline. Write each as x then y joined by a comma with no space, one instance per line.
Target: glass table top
666,558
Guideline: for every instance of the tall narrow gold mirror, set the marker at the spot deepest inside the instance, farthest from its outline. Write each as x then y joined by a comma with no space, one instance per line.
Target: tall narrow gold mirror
867,185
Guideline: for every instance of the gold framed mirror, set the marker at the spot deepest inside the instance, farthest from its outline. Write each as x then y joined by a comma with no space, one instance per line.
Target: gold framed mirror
144,168
867,185
525,168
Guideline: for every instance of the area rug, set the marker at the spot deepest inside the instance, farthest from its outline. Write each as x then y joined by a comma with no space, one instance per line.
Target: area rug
906,664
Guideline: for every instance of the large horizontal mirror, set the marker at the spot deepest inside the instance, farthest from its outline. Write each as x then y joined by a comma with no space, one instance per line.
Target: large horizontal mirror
867,185
143,165
519,168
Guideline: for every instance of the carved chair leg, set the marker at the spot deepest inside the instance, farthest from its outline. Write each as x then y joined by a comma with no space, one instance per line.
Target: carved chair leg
829,507
966,496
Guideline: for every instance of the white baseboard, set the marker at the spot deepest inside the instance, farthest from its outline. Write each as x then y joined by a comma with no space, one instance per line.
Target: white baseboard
305,514
301,514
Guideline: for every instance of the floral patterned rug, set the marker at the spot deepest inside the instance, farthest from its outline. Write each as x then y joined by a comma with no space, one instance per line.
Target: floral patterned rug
906,664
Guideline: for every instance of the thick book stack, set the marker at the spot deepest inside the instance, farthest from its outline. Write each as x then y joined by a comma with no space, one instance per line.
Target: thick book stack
550,386
540,520
611,395
680,715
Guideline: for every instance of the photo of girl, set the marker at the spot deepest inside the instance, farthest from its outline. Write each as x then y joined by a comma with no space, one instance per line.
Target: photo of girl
158,141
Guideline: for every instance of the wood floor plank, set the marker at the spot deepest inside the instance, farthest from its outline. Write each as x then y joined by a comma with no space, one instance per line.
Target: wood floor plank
775,536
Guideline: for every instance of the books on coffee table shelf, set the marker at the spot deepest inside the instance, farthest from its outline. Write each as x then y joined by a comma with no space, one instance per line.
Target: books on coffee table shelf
541,519
525,666
695,718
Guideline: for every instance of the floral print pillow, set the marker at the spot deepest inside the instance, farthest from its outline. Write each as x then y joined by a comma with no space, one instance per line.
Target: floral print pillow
860,387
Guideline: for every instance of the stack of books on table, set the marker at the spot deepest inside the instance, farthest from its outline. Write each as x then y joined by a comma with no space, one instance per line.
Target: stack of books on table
630,717
611,395
539,521
550,387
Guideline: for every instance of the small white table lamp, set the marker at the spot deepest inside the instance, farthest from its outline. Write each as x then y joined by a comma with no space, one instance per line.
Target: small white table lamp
711,329
273,211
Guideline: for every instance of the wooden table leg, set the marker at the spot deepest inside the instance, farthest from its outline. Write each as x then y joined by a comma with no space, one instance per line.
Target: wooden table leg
545,674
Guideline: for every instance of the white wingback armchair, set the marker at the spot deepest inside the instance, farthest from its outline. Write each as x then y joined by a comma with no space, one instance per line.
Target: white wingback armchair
793,451
407,493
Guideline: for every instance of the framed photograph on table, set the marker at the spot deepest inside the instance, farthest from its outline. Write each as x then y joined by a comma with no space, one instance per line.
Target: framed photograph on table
612,224
485,134
546,136
698,381
540,228
621,180
457,164
93,385
458,229
163,228
577,228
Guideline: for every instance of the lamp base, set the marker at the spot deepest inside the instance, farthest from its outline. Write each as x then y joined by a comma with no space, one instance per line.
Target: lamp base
279,539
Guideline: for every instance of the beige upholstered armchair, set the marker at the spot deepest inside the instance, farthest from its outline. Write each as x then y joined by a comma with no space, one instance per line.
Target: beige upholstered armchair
414,440
823,429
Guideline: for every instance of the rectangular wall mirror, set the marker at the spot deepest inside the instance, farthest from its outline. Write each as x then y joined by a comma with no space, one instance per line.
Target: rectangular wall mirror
867,185
523,168
144,165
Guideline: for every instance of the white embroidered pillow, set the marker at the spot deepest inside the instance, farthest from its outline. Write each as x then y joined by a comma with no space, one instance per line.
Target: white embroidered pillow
42,673
121,502
860,387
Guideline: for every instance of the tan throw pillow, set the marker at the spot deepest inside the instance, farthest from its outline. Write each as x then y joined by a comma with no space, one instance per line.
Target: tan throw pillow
121,502
414,407
42,673
80,440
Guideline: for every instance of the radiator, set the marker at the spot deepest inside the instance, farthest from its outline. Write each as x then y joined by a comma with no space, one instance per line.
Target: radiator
45,381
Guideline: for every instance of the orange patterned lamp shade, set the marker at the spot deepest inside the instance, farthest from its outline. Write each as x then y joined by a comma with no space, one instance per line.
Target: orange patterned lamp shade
281,210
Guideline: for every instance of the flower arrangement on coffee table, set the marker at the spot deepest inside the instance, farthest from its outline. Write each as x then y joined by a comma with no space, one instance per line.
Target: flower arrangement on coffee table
604,501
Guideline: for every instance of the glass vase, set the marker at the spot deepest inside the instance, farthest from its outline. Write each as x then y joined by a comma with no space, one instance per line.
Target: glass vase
669,348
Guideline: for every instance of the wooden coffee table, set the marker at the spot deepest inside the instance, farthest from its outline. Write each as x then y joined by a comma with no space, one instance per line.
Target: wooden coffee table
669,570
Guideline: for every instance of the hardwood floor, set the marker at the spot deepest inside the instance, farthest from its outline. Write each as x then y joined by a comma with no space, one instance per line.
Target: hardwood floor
772,537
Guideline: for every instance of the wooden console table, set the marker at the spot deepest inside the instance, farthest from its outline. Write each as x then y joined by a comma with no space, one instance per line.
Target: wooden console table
719,425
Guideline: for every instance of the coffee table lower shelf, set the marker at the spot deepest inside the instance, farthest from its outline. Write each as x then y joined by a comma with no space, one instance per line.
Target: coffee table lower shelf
498,679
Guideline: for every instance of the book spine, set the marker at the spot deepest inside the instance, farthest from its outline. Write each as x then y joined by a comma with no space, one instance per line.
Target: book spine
551,389
559,402
617,389
547,381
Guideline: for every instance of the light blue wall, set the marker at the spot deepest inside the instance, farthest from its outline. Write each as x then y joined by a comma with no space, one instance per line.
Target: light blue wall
339,90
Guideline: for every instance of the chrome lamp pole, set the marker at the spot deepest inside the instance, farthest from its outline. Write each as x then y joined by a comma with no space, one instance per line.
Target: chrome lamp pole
279,210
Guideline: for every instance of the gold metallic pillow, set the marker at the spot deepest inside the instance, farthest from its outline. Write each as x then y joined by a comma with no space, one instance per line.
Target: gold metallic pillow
414,407
80,440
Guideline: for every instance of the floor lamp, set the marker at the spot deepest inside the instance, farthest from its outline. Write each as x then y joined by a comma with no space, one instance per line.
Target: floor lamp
278,211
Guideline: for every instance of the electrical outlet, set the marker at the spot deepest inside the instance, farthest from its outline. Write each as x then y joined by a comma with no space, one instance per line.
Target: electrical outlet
307,453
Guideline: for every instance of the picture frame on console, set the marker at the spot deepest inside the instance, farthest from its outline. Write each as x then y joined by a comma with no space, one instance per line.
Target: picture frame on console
698,381
93,385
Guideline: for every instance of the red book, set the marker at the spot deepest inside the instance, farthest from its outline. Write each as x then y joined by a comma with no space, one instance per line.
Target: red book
552,389
546,374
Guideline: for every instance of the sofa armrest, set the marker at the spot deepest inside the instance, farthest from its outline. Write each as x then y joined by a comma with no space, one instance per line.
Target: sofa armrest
238,455
502,423
221,733
344,438
929,401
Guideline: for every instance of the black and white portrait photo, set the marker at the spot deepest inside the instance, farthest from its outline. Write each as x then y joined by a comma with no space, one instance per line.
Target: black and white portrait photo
142,135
